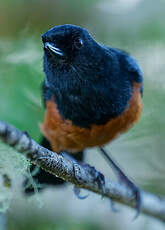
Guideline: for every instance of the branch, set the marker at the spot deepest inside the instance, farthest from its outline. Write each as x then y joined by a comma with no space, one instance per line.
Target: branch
79,174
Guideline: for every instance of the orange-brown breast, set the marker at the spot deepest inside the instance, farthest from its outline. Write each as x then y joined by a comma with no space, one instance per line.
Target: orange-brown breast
63,135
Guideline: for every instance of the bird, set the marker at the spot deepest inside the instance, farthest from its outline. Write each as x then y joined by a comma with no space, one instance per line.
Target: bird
92,94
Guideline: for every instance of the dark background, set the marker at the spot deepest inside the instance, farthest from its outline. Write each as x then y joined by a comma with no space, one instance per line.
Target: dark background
136,26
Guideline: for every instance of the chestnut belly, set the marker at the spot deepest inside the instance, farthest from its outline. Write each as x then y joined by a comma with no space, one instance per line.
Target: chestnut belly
64,136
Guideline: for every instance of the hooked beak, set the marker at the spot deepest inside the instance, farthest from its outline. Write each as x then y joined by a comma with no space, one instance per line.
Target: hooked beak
53,49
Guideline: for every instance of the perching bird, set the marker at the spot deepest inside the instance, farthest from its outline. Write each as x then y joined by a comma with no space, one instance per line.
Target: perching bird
92,93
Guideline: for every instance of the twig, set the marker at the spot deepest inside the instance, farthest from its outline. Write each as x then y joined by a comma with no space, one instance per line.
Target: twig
81,175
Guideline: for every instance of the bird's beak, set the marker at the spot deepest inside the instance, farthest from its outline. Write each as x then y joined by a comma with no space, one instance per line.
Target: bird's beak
53,49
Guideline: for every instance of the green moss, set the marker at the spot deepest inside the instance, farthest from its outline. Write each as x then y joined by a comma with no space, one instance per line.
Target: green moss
12,166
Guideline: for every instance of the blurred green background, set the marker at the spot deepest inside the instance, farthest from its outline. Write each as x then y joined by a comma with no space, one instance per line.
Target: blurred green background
136,26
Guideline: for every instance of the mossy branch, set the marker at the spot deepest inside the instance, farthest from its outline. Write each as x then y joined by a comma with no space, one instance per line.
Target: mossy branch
79,174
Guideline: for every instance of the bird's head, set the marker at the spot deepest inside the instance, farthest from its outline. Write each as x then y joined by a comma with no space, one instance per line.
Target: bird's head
67,42
70,50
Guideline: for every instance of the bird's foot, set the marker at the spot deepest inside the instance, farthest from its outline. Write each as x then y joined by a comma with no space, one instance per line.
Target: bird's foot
77,193
101,184
99,178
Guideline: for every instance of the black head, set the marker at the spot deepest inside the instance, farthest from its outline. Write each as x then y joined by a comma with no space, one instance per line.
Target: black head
90,83
67,42
68,48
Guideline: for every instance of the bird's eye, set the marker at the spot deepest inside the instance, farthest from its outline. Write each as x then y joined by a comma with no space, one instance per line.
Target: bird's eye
78,42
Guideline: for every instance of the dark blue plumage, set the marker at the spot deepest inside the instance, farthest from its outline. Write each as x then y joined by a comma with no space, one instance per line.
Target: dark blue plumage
90,84
92,94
